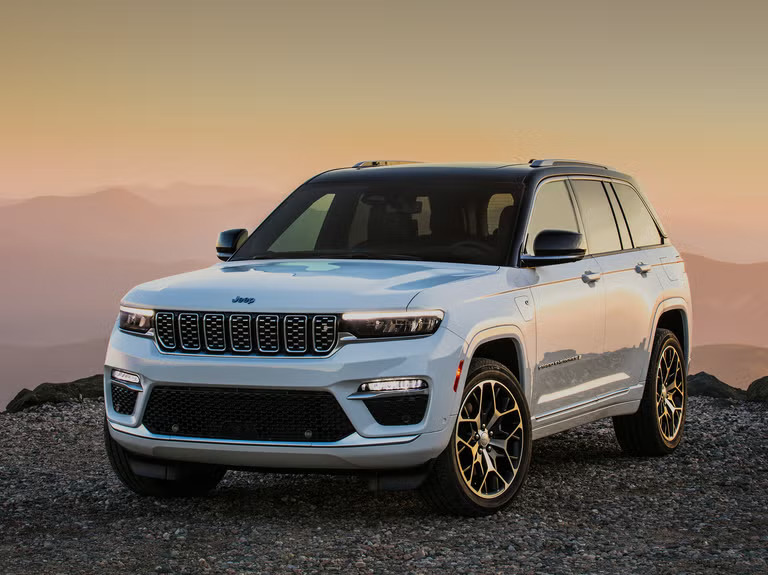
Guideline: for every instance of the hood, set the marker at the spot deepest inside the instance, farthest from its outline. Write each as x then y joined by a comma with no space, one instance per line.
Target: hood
300,286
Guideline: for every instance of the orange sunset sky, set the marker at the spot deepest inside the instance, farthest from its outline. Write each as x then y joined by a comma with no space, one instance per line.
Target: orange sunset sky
264,94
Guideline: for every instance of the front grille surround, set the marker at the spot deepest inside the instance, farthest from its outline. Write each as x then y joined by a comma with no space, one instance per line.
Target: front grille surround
246,334
165,329
268,333
240,333
189,331
324,332
295,333
214,328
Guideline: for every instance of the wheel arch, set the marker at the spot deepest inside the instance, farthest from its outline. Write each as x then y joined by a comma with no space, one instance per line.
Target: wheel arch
505,344
674,314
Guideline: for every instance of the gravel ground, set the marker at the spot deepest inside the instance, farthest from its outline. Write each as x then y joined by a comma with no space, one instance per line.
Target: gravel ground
584,509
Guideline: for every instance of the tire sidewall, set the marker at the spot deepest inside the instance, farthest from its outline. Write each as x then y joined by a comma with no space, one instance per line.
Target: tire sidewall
502,375
666,340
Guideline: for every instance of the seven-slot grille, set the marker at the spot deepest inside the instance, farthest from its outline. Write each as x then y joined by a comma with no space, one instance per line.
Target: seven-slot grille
246,334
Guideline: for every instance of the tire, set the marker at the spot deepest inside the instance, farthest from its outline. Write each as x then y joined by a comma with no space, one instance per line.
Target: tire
647,432
447,487
197,479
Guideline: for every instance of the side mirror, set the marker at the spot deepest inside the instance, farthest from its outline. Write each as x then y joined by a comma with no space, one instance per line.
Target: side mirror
229,242
555,247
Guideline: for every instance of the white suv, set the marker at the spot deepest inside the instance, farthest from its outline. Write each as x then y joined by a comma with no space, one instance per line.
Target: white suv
419,323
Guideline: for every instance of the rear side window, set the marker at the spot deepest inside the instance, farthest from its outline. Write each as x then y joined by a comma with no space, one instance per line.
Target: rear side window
597,216
641,224
552,210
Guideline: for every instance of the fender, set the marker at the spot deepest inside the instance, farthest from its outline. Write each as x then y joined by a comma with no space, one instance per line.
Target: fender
485,335
664,306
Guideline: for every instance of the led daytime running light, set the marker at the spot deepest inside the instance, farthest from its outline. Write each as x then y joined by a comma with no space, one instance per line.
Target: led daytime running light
394,385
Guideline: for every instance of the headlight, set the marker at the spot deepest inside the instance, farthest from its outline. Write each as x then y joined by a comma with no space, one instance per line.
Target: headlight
391,323
135,320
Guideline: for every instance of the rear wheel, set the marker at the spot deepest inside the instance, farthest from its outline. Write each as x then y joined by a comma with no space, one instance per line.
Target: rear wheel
486,462
194,479
657,427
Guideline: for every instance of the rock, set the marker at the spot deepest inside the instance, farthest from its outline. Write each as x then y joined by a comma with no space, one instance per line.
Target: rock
86,388
708,385
758,390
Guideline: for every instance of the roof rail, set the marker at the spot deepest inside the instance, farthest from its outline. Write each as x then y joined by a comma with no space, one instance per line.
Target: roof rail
375,163
552,162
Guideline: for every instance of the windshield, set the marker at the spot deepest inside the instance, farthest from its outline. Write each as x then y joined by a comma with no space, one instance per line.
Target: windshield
468,222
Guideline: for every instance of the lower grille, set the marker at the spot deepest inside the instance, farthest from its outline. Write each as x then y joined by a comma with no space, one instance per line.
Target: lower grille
123,399
246,414
401,410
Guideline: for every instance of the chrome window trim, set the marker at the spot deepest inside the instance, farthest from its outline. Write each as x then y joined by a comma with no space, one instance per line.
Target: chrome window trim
258,341
285,332
173,329
197,325
335,333
576,212
223,333
250,333
609,179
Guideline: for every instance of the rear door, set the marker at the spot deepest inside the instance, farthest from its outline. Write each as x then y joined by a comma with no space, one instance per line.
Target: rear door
570,318
630,283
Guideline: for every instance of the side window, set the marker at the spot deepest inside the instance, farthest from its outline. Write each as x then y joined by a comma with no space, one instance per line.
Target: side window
552,210
496,206
597,216
302,234
621,221
641,224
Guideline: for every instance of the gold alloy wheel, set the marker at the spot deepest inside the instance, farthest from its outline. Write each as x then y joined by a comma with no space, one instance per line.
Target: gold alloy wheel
670,394
489,439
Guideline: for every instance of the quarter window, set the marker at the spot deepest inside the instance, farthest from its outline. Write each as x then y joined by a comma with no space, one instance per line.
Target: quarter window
597,216
552,210
641,224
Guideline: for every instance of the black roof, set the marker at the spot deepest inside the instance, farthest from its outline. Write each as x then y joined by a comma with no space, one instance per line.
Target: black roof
484,171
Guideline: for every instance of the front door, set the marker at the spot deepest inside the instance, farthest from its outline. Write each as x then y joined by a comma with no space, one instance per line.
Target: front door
570,316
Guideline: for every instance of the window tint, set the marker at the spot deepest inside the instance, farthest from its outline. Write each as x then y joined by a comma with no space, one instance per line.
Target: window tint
597,216
302,234
641,224
626,240
434,220
496,206
552,210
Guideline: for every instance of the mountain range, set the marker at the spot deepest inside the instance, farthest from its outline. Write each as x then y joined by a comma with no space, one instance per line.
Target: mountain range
68,260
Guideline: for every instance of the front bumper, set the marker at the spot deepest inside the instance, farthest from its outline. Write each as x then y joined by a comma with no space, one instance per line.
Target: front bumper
372,446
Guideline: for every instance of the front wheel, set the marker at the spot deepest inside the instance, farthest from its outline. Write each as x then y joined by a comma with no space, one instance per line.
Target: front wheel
657,427
486,462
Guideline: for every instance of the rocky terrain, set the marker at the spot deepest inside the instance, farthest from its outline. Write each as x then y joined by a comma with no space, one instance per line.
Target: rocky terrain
585,509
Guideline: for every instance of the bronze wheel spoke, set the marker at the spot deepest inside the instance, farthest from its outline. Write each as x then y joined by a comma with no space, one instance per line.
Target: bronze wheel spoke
489,439
670,394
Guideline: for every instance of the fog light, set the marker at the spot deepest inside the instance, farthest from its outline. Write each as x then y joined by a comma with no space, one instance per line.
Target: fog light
394,385
125,376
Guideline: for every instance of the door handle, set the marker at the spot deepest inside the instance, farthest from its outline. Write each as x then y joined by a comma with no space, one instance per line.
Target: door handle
642,268
590,277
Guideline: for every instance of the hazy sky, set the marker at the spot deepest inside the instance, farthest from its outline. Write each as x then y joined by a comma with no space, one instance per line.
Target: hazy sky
267,93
